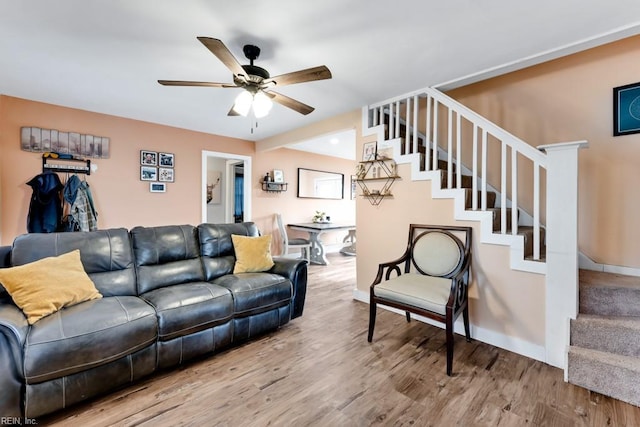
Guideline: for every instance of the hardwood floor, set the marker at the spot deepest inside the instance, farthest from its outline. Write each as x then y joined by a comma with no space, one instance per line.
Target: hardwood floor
319,370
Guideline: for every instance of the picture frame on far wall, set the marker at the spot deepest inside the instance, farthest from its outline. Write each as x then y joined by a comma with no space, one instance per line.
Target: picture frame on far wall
157,187
626,109
277,176
165,174
148,158
166,160
148,173
369,151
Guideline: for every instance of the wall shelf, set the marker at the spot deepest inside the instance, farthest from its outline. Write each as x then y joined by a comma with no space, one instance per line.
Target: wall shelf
381,171
63,165
274,187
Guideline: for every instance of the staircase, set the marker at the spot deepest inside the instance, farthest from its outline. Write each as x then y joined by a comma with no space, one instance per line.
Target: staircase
604,352
460,152
502,182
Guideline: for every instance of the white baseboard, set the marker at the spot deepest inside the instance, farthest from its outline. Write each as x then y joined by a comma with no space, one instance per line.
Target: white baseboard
496,339
587,263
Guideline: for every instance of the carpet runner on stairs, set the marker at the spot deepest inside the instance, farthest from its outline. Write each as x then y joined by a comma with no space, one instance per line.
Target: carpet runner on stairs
604,351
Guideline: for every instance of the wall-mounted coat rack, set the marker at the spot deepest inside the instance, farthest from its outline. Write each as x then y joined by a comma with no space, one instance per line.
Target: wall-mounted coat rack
62,165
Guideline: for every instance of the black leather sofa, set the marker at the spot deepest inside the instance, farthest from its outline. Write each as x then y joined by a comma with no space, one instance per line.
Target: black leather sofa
169,295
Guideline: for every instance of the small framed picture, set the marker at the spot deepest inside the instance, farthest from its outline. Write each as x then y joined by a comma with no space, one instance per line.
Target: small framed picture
626,109
369,151
277,175
353,187
148,173
157,187
166,160
148,158
165,174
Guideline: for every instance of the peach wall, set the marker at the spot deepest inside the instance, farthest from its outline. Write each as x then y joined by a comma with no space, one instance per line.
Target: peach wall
501,300
122,200
571,99
292,208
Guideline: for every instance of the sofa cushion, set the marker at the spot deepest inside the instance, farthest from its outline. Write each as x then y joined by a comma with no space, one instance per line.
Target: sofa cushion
166,256
216,247
87,335
43,287
256,292
106,255
253,254
189,308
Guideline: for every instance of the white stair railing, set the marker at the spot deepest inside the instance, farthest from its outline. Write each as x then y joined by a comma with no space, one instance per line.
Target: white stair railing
467,137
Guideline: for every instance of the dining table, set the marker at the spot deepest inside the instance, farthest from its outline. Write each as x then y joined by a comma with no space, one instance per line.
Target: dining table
315,230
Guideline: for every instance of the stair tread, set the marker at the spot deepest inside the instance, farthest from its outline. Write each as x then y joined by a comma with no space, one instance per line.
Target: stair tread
628,362
610,374
591,278
629,321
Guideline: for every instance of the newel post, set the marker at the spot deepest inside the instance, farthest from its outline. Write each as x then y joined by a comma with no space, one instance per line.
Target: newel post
561,301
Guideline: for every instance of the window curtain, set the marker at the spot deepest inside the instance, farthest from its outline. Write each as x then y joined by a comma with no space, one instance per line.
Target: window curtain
239,196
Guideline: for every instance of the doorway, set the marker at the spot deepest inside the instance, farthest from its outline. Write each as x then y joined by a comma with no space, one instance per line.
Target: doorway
226,187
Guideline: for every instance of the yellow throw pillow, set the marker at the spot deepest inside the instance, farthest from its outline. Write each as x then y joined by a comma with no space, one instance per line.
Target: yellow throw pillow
45,286
253,254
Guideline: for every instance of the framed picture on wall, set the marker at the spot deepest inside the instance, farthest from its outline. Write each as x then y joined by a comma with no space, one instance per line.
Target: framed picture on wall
148,158
157,187
277,176
148,173
369,151
165,174
626,109
166,160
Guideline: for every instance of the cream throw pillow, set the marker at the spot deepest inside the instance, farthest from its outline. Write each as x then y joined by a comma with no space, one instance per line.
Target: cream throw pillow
45,286
253,254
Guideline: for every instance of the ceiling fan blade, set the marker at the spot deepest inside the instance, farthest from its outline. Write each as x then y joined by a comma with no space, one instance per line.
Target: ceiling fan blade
232,112
220,50
187,83
308,75
290,103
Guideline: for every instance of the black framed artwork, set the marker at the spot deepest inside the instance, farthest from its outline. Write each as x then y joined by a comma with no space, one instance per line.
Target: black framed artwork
626,109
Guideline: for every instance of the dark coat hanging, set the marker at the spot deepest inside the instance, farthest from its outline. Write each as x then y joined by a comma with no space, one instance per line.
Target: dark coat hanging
45,208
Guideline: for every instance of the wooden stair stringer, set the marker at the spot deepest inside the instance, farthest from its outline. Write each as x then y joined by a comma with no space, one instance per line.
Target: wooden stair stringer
517,259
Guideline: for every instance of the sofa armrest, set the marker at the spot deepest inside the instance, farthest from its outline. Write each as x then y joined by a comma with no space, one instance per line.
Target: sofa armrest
296,271
13,334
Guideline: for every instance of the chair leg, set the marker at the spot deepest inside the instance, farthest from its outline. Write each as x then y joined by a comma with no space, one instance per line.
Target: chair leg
465,317
372,319
408,316
449,333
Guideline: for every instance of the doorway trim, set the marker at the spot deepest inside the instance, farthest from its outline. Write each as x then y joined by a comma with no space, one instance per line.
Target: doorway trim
247,181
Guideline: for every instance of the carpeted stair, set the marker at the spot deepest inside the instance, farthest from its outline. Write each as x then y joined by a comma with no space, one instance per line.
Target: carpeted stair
604,351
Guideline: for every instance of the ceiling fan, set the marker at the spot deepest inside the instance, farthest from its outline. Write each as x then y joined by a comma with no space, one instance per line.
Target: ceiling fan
256,81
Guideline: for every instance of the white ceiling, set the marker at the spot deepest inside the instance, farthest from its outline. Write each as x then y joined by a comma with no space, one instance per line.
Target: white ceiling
106,56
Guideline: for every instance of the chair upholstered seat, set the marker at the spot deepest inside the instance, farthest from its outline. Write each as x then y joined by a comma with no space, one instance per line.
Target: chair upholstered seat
425,292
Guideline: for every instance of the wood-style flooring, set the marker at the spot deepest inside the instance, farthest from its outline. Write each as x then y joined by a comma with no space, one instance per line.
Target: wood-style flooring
319,370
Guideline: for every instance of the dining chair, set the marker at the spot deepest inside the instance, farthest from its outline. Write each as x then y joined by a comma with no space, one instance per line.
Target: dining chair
296,243
433,283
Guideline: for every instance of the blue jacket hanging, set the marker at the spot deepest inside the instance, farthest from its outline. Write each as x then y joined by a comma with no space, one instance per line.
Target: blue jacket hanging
45,208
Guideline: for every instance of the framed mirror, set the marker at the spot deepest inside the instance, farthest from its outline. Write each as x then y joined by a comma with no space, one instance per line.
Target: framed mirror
316,184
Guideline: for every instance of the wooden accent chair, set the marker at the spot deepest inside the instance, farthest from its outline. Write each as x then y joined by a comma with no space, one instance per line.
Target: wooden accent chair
435,280
303,244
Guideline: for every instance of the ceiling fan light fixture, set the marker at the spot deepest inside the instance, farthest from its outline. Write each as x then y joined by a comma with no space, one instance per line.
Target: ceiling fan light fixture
261,105
243,103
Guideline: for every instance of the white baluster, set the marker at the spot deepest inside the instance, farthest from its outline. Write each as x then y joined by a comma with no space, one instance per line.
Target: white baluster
503,189
427,154
484,171
474,170
514,191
